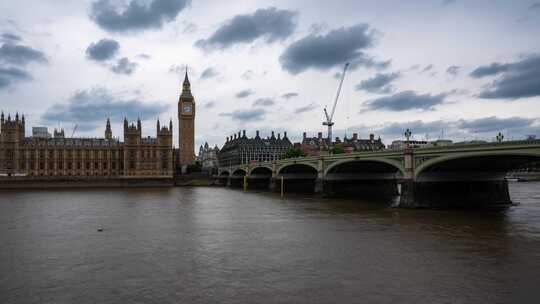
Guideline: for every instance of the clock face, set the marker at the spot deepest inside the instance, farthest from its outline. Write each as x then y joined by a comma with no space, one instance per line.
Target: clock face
187,108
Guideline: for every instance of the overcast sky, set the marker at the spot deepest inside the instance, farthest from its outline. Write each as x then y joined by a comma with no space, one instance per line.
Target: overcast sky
458,69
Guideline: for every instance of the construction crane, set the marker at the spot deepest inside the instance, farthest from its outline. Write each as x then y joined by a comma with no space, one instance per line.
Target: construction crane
74,129
329,118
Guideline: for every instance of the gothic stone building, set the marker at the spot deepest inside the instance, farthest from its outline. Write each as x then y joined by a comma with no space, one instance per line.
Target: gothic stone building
136,157
239,149
208,157
314,146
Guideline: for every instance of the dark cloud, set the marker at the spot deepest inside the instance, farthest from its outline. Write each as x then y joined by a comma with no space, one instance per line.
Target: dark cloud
263,102
289,95
124,66
144,56
8,37
453,70
270,24
103,50
427,68
417,127
448,2
246,115
480,128
323,52
520,79
209,105
90,108
307,108
379,84
20,55
189,28
11,75
489,70
492,124
535,6
245,93
209,73
406,100
136,15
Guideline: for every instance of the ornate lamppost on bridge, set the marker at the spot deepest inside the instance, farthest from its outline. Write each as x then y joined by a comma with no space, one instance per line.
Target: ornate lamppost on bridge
408,134
500,137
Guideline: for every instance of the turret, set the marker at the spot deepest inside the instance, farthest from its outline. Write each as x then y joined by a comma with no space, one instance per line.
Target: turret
170,126
139,125
157,125
108,131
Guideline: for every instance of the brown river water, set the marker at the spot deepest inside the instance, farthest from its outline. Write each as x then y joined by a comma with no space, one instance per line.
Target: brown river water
219,245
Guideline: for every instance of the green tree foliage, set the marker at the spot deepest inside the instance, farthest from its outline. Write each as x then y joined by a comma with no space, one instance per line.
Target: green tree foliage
338,149
294,152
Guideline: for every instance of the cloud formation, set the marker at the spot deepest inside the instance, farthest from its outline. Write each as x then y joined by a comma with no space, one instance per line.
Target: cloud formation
307,108
90,108
103,50
492,124
246,115
323,52
209,73
245,93
453,70
124,66
520,79
406,100
263,102
136,15
269,24
289,95
9,37
11,75
378,84
20,55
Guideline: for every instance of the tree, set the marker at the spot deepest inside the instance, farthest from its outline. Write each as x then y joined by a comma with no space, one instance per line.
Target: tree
338,149
294,152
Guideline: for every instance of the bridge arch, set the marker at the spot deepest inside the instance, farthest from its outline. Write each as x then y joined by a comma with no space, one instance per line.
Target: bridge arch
224,173
302,167
239,172
384,162
494,161
261,170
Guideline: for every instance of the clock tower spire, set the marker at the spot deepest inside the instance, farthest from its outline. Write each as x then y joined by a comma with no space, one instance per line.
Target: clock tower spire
186,123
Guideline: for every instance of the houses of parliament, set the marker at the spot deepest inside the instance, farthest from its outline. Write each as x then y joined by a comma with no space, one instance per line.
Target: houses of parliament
107,157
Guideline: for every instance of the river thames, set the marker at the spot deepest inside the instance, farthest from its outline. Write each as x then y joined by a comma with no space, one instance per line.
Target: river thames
219,245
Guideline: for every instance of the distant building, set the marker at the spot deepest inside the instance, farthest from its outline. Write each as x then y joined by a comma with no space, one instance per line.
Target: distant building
315,146
402,144
356,144
208,157
61,134
40,132
239,149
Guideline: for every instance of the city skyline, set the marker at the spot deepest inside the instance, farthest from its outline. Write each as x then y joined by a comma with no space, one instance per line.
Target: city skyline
271,65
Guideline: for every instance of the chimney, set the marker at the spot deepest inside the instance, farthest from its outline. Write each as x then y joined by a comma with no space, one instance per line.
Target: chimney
234,135
227,140
273,136
279,136
243,133
257,133
238,134
304,136
285,134
319,135
371,136
355,136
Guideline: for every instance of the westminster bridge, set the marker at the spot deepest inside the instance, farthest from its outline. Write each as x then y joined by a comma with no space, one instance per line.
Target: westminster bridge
460,174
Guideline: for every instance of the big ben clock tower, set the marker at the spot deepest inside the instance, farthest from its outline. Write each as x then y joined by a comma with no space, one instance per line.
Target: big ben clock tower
186,124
